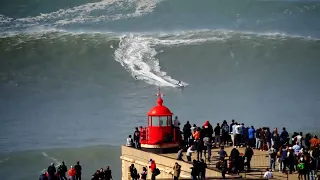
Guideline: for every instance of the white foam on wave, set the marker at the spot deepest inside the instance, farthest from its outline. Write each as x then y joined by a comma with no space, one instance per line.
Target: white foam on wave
56,161
84,13
137,54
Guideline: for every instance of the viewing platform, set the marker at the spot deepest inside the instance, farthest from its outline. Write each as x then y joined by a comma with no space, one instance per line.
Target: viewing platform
165,163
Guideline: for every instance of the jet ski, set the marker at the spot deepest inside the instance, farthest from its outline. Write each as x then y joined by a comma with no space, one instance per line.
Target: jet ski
180,85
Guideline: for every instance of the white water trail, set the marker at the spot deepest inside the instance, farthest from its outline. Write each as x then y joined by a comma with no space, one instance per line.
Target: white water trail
54,160
138,56
4,160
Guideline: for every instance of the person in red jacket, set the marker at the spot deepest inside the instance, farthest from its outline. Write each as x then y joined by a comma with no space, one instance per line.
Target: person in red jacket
153,167
72,173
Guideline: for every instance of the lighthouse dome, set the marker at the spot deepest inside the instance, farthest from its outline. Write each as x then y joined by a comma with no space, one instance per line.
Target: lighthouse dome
160,110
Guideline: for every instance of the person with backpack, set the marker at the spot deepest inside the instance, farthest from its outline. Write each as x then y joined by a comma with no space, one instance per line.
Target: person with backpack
225,133
154,170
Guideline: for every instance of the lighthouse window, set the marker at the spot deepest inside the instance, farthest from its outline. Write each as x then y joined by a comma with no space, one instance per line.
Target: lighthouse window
155,121
163,120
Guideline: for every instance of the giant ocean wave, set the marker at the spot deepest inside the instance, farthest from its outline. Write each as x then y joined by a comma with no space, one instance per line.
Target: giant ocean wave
135,51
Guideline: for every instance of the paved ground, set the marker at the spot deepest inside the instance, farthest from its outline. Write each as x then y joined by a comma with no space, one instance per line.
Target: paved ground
259,163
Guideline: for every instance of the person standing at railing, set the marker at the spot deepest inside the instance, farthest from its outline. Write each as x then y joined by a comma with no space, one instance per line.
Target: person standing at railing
136,138
258,143
217,131
262,139
237,133
187,133
251,132
284,136
225,132
276,138
268,137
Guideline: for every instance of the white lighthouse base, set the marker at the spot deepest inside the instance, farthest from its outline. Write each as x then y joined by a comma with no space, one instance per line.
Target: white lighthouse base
161,148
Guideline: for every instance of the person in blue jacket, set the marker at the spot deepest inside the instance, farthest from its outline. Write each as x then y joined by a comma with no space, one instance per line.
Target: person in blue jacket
251,133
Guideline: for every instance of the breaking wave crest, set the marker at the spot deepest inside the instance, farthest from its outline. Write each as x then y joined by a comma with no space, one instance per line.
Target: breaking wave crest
107,10
137,53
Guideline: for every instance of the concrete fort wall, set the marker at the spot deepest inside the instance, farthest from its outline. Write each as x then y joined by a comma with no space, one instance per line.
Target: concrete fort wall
141,159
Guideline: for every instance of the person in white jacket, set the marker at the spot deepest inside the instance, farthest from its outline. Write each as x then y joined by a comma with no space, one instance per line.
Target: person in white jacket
268,174
189,153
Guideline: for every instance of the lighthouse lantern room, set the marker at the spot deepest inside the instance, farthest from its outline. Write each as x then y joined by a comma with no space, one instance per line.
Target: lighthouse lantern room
160,135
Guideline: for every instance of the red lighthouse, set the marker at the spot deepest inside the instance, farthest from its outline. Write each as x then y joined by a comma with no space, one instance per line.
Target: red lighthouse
160,135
